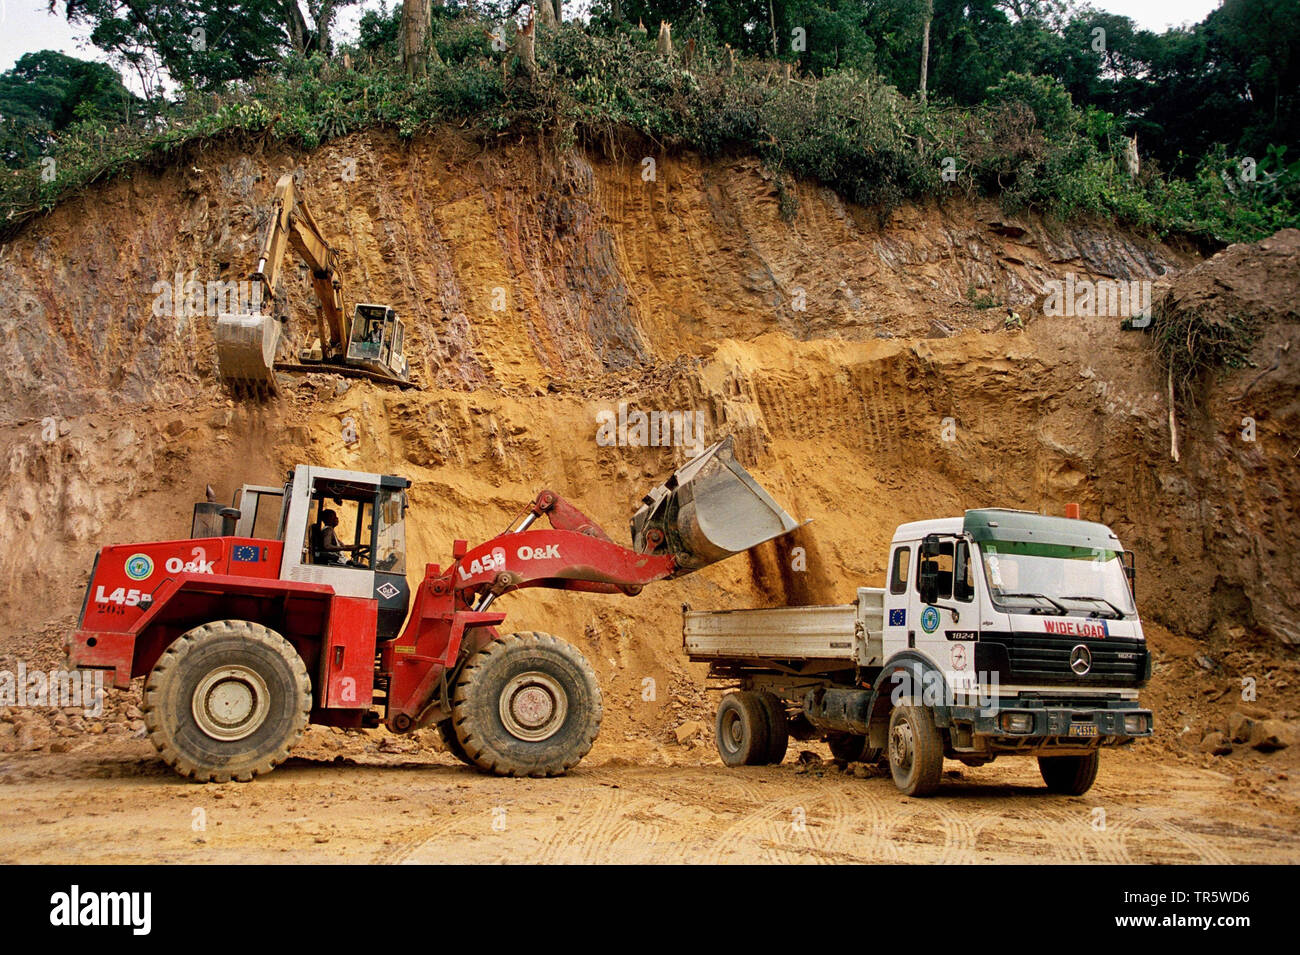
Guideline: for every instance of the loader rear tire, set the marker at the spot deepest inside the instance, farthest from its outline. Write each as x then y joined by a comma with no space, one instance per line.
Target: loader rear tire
778,731
447,729
527,704
741,732
1070,775
227,700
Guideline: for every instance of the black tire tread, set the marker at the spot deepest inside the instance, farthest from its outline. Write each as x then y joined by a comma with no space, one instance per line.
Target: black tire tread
927,757
1070,775
173,658
472,741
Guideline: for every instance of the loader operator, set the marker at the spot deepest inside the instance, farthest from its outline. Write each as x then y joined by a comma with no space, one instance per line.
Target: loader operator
327,546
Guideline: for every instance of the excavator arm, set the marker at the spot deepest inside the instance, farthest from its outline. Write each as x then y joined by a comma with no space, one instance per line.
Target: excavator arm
292,225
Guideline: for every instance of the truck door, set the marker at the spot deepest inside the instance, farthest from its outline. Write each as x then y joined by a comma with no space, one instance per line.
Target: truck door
898,615
946,630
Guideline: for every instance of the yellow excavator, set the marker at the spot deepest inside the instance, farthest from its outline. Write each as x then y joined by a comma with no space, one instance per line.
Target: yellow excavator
367,344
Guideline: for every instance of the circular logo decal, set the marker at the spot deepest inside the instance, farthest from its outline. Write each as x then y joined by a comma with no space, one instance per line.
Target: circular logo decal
1081,660
139,566
930,620
958,657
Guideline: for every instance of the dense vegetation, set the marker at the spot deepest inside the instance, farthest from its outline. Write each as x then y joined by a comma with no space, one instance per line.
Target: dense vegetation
1021,104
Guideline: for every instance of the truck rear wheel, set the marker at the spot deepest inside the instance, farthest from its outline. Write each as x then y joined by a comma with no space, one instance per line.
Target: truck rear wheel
527,704
741,732
852,748
227,700
1070,775
778,732
915,750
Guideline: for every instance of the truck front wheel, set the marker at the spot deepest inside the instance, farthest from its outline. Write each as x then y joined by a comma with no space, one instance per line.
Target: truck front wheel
741,732
1070,775
915,750
527,704
227,700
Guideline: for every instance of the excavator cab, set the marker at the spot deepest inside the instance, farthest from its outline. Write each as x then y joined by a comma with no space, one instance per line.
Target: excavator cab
377,340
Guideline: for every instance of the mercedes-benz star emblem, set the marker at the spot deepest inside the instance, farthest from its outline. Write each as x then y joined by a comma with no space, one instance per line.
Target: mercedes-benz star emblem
1080,659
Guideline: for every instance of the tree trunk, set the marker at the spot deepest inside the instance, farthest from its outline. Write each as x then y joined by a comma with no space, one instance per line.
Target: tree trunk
559,10
416,24
925,47
771,18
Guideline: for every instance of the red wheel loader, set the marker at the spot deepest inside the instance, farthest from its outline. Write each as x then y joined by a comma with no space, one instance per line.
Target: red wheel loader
293,607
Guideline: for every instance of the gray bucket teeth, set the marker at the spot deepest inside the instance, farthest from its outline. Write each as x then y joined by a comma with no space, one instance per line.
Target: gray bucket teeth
710,509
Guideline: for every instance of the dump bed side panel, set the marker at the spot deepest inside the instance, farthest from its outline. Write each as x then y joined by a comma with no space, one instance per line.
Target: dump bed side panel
813,633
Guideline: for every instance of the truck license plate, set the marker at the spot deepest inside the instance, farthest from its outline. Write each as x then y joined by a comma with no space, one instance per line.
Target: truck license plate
1083,729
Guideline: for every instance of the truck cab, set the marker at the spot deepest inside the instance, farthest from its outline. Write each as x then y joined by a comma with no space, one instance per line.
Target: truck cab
1020,601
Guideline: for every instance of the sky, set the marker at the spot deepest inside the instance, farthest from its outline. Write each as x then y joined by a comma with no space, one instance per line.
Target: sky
27,25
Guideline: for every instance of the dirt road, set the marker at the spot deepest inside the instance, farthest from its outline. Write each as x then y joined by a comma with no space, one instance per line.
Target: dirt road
114,802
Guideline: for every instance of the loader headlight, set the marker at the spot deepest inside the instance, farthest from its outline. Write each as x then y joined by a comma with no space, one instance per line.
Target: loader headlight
1016,722
1135,724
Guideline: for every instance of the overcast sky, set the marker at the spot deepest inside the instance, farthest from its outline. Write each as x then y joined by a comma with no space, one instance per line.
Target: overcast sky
27,25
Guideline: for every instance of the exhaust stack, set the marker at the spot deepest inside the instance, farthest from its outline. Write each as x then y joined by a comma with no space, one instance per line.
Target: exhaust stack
709,509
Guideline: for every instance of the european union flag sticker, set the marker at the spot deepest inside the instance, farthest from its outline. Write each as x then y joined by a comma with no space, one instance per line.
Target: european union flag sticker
898,618
246,553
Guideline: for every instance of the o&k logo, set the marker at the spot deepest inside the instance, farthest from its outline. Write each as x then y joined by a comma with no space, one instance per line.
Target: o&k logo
139,566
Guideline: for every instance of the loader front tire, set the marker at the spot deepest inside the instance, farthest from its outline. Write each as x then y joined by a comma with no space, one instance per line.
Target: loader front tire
227,700
527,704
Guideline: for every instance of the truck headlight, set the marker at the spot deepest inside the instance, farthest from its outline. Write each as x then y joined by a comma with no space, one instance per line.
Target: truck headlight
1134,724
1016,722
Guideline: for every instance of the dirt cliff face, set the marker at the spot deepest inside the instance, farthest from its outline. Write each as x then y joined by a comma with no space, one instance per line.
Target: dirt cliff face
865,367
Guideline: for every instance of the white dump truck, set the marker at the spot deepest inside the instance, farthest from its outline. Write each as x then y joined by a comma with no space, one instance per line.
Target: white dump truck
999,633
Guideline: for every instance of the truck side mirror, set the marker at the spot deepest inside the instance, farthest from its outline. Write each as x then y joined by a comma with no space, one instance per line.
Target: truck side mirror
1130,571
929,580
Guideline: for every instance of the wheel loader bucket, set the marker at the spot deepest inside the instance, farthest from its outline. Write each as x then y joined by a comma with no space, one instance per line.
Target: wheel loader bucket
710,509
246,345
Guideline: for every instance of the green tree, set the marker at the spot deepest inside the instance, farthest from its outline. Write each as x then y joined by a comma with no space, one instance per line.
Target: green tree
47,92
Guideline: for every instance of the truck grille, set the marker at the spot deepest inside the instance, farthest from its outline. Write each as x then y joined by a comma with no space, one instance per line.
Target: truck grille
1043,658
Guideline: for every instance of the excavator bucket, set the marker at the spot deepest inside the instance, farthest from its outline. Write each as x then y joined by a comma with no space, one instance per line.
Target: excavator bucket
246,345
710,509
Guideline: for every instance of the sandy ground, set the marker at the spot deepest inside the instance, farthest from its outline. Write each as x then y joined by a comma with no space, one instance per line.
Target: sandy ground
116,803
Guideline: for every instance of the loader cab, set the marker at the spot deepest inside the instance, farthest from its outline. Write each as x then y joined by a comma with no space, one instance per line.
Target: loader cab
367,515
378,340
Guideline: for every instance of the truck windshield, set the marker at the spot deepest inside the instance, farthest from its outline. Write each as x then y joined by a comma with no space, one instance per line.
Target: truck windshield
1033,577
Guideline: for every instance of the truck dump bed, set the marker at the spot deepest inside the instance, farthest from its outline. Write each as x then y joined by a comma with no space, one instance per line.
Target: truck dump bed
847,632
